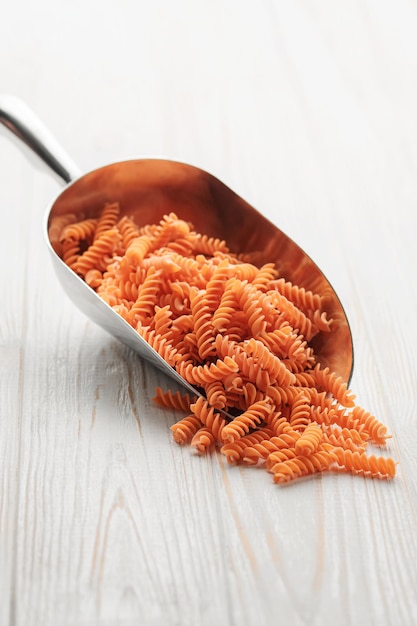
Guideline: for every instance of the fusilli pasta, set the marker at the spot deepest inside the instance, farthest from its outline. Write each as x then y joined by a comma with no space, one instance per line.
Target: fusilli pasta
239,332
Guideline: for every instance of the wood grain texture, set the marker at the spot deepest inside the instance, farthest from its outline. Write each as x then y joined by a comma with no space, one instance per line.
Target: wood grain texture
307,110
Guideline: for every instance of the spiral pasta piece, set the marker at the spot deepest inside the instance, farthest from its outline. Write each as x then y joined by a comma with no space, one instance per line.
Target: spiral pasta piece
279,456
138,249
78,231
269,362
246,295
250,418
253,370
181,246
259,452
203,440
185,429
321,322
302,466
359,462
208,245
216,394
352,439
70,251
203,327
128,230
283,395
300,413
204,374
302,298
163,321
216,285
144,306
375,429
128,289
93,278
173,400
235,450
264,276
309,440
162,262
160,344
223,315
279,340
171,229
245,271
207,415
55,228
329,381
295,317
99,254
107,219
251,394
277,422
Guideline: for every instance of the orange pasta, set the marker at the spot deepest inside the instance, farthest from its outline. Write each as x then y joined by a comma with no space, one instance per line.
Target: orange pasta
185,429
309,440
239,333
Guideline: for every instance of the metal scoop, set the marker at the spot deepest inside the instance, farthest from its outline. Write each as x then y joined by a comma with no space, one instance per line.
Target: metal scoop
147,189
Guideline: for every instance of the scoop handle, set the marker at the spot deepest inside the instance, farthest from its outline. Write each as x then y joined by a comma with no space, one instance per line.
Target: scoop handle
24,124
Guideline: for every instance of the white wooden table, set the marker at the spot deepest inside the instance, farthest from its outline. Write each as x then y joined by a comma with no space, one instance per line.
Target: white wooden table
309,111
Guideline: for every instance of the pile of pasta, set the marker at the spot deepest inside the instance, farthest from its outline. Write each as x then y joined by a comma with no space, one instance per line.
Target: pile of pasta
239,333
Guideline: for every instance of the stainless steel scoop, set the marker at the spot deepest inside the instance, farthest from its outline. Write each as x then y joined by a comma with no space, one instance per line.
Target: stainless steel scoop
147,189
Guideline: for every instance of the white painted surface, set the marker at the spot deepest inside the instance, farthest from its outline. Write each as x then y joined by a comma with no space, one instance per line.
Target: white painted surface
308,110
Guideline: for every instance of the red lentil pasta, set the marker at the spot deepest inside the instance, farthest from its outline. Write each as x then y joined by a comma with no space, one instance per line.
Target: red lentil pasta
238,332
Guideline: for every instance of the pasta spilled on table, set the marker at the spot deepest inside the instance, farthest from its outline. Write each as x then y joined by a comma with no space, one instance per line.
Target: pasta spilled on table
240,333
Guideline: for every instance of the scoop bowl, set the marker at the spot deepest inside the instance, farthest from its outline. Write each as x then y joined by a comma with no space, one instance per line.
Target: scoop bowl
146,190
